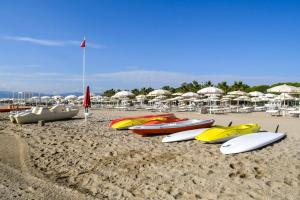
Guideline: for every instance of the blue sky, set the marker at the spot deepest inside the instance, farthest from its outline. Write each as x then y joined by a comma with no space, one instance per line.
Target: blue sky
140,43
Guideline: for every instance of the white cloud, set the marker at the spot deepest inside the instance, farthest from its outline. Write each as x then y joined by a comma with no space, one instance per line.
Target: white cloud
47,42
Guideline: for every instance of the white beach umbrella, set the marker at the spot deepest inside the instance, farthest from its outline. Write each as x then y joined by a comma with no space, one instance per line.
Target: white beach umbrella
242,98
270,95
123,94
80,97
160,97
98,97
141,97
238,93
225,99
178,98
57,97
264,98
284,96
71,97
285,89
256,94
177,94
210,90
255,99
159,92
45,97
229,96
105,98
35,98
190,95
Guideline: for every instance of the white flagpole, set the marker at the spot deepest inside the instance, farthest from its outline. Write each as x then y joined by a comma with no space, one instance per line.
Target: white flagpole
83,68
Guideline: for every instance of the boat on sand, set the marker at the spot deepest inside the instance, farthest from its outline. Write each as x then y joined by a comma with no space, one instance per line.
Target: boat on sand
126,122
57,112
166,128
10,108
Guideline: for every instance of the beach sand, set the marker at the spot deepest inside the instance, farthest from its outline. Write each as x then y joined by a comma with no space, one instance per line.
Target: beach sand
77,160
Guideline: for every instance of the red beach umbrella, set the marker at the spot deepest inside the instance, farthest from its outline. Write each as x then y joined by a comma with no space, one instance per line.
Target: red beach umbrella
87,98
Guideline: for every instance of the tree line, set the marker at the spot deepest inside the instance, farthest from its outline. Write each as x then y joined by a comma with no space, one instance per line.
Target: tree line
194,86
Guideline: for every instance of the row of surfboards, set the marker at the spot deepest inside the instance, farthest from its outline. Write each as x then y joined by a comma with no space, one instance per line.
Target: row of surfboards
239,138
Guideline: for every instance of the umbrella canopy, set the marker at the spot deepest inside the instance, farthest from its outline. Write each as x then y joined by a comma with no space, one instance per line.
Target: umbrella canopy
238,93
210,90
45,97
87,98
284,96
285,89
177,94
159,92
35,98
57,97
70,97
123,94
229,96
256,94
256,99
269,95
160,97
141,97
225,99
242,98
190,95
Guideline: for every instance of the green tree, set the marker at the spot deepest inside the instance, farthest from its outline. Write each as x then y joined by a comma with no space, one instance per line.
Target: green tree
239,85
109,93
224,86
135,91
170,89
208,84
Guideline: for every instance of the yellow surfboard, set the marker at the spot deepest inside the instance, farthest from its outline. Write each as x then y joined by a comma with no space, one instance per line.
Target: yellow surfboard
222,134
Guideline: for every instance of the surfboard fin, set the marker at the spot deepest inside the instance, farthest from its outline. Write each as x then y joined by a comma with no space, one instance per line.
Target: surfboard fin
276,130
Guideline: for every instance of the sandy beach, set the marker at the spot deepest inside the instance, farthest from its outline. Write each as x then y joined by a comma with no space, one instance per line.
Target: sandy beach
77,160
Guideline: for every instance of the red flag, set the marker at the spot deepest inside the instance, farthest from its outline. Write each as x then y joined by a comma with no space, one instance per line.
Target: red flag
87,98
82,45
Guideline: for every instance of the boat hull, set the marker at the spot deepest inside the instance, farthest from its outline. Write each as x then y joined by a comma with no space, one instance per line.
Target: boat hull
168,128
169,115
49,116
13,108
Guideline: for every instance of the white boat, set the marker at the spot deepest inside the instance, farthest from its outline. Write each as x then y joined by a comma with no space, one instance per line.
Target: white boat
14,113
57,112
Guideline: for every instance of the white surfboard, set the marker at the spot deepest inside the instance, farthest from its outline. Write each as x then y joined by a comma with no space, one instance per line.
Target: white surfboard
183,135
250,142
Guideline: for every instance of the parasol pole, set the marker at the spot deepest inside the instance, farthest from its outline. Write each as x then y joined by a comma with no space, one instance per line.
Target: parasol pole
83,65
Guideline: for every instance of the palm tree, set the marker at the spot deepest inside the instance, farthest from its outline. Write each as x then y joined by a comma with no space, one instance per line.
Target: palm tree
239,85
208,84
135,91
109,93
223,85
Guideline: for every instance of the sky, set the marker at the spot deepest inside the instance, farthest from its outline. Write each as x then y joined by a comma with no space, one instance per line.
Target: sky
146,43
